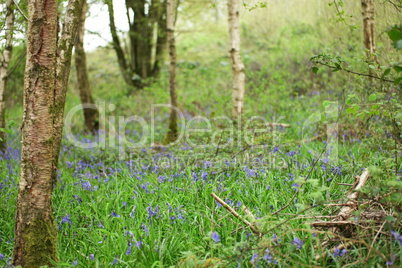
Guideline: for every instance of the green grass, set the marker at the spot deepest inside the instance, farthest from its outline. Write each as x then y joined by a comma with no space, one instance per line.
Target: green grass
108,198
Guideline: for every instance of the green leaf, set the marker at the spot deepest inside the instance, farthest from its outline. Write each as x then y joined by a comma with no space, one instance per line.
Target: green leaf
350,110
372,97
349,101
386,72
390,218
398,68
395,34
10,123
335,70
327,103
398,80
314,69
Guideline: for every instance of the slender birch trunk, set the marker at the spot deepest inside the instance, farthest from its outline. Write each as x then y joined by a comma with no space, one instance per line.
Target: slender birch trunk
172,134
65,48
368,29
35,242
5,60
91,113
47,64
239,77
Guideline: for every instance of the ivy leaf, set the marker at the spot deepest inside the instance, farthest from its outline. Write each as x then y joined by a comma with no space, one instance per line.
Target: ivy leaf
314,69
372,97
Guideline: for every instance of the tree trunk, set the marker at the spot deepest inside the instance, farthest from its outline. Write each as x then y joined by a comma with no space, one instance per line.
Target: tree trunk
91,114
65,48
137,65
368,29
121,59
172,134
160,39
5,60
239,77
46,73
35,231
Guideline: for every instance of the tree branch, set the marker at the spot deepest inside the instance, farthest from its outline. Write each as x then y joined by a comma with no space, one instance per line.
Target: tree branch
355,73
19,10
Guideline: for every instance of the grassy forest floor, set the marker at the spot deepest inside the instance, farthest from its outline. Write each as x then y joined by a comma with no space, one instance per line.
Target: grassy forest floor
151,206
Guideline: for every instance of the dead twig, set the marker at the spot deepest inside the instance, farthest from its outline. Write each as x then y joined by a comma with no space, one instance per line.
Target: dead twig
237,215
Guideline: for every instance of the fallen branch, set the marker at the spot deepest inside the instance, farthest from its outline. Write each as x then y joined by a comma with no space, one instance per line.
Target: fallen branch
277,125
237,215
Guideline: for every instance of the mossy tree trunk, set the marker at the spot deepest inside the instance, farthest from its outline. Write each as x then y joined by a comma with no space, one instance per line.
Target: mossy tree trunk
368,29
35,231
172,134
142,59
91,113
5,60
239,77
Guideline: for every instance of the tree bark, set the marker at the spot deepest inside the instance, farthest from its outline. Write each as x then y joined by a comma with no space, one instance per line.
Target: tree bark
239,77
46,73
91,113
65,48
35,231
172,134
5,60
368,29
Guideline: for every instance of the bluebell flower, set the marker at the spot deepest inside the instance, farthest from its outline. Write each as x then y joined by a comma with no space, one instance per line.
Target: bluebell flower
145,228
339,253
249,172
391,262
254,258
295,186
74,263
115,215
139,244
397,236
86,185
215,236
169,208
194,175
161,179
298,242
66,219
1,256
275,239
115,261
204,175
207,164
267,256
91,257
129,244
